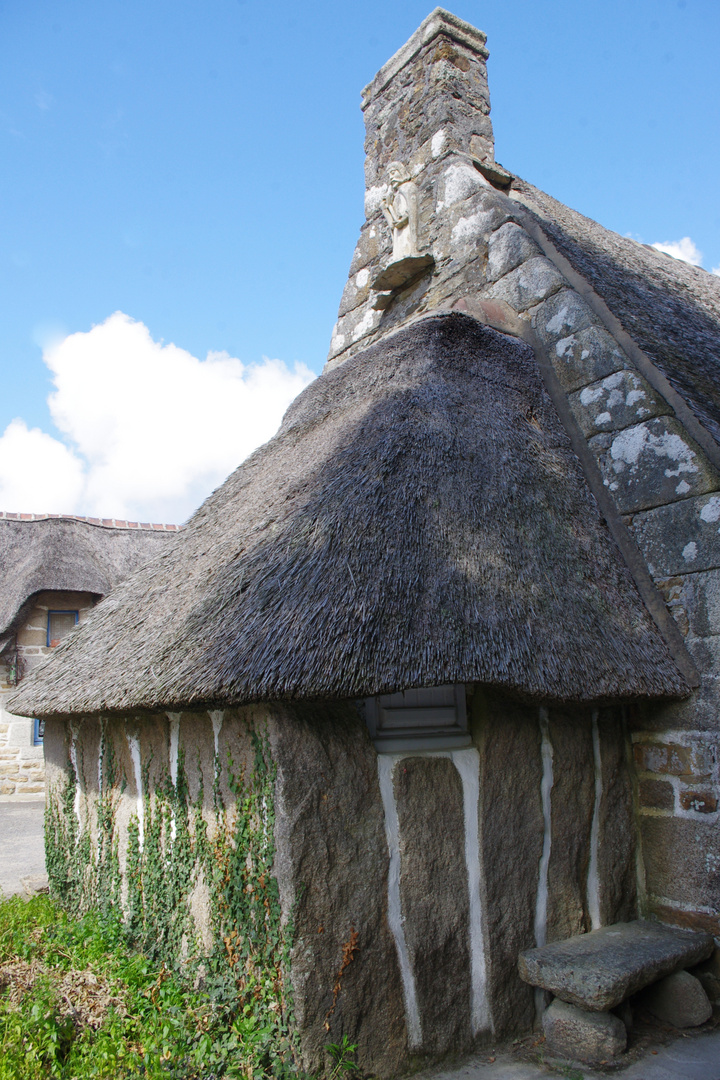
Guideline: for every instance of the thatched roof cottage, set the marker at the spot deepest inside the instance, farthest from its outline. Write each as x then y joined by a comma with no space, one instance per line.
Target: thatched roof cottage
432,678
55,568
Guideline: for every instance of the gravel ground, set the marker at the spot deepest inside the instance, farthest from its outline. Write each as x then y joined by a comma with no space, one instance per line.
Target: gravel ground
695,1056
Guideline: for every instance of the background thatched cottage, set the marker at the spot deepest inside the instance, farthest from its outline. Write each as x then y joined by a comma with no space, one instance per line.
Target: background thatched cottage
433,677
55,568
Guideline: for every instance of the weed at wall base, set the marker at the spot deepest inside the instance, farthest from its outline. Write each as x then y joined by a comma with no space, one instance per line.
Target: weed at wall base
242,975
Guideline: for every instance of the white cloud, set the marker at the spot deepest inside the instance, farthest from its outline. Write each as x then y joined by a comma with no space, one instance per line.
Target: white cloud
683,249
150,429
716,271
38,474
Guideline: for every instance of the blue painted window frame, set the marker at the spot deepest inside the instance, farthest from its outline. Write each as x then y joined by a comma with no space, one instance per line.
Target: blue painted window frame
38,735
58,612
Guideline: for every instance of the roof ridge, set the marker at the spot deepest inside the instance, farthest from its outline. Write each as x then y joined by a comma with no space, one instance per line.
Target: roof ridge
103,523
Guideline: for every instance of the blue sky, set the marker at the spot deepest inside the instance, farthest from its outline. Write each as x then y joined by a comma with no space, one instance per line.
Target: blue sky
198,166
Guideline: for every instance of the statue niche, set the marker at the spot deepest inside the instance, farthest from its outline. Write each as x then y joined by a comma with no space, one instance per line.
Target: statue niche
400,208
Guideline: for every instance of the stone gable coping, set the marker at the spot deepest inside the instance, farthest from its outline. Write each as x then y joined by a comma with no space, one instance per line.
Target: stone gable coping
653,463
438,21
619,401
103,523
640,359
681,537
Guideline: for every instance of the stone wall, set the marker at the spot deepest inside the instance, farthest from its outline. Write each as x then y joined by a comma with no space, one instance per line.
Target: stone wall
22,765
22,768
429,107
412,880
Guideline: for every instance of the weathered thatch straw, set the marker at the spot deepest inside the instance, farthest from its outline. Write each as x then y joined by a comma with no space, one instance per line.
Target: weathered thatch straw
68,554
419,519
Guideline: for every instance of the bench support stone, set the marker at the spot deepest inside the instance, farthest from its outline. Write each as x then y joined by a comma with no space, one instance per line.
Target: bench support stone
678,999
590,1037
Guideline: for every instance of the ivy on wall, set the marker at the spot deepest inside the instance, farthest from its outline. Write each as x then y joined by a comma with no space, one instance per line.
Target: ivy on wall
244,970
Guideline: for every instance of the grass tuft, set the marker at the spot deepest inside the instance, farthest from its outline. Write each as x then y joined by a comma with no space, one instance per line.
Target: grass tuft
77,1001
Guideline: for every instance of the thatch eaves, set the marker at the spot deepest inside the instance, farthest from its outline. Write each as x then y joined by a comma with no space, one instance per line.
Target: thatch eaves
43,552
670,308
419,519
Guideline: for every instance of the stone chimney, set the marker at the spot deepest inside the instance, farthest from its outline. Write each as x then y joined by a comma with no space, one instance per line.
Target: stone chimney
431,98
428,137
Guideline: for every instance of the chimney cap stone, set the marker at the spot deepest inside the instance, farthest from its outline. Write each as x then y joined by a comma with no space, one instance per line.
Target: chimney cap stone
438,21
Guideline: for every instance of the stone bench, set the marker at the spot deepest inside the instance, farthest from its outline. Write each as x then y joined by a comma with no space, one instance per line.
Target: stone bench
593,973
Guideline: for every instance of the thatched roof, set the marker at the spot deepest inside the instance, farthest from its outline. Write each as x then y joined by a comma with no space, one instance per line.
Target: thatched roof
40,552
419,519
670,308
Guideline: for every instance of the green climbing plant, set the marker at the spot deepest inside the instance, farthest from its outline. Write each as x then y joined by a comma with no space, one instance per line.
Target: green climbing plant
241,956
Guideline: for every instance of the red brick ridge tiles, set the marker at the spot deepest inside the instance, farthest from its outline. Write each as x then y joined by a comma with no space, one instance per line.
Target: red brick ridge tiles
108,523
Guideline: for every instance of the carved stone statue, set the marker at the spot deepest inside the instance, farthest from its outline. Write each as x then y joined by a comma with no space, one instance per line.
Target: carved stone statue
400,207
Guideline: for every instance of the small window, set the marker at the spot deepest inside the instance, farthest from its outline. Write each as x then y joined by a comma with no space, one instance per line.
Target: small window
59,625
38,732
431,718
